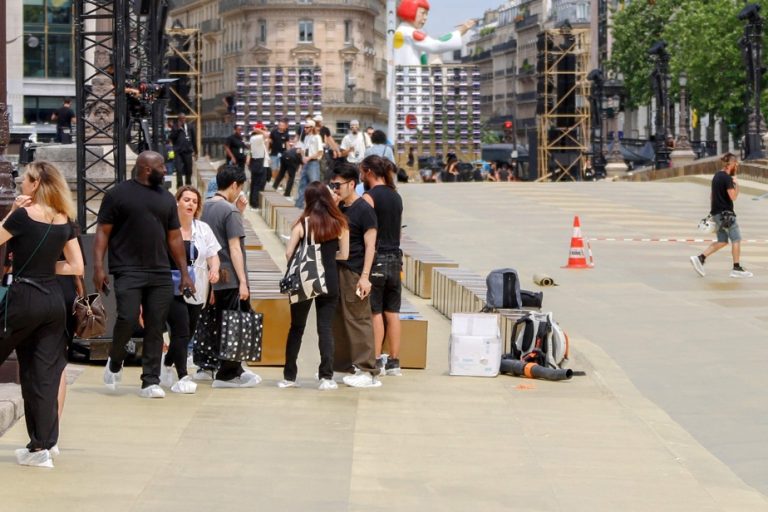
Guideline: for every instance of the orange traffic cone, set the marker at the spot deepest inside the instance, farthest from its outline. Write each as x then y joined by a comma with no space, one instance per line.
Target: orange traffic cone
577,258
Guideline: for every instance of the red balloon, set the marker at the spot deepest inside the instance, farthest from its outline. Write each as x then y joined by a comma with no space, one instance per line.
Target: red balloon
410,121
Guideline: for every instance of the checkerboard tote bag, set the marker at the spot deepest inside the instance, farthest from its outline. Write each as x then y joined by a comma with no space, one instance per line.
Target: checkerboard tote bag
241,332
308,262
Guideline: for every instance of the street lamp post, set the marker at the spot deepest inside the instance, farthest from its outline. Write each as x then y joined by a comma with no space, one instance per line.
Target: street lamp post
598,122
659,81
612,97
752,45
683,153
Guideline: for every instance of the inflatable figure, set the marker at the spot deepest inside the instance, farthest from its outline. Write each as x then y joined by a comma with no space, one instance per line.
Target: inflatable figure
412,45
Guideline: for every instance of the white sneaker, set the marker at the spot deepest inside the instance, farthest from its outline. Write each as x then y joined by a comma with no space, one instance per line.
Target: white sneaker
167,375
698,266
247,379
185,386
111,380
40,459
153,391
362,380
741,274
327,384
287,384
54,451
203,375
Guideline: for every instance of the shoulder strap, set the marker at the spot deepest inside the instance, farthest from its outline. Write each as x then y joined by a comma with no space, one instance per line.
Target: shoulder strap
18,273
307,233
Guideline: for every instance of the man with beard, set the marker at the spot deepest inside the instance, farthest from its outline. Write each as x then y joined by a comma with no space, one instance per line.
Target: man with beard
139,221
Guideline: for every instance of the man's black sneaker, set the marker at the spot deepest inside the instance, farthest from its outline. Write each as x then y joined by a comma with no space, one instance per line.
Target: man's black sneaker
392,367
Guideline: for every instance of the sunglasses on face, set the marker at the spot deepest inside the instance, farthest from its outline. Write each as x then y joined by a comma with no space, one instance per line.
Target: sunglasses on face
336,185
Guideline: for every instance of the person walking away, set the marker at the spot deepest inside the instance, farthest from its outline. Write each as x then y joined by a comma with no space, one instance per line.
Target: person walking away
385,298
278,144
355,349
202,250
235,148
184,142
223,213
379,146
139,221
255,163
64,117
313,152
353,144
725,190
38,229
328,227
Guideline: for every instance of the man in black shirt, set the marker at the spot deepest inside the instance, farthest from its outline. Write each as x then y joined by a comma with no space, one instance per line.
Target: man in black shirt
725,190
235,148
139,221
184,140
64,117
377,175
352,327
278,144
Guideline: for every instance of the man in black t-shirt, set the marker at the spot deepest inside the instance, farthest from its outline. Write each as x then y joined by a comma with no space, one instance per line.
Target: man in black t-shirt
235,148
278,144
64,117
352,328
139,221
725,190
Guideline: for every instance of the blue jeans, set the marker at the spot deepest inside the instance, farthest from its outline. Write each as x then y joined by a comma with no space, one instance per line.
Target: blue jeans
310,173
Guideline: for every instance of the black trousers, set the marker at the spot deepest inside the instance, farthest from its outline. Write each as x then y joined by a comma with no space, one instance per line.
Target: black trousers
258,180
224,299
290,169
325,306
153,293
36,321
183,162
182,322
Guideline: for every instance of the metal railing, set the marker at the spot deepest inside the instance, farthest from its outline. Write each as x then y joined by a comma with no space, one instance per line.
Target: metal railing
231,5
353,97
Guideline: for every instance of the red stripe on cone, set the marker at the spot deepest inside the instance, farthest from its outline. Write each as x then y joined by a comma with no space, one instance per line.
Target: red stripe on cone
577,257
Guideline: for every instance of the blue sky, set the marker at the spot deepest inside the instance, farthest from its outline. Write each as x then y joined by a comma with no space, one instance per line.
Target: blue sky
444,15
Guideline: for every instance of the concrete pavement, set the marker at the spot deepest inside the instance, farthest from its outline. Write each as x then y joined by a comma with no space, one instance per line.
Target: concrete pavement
427,440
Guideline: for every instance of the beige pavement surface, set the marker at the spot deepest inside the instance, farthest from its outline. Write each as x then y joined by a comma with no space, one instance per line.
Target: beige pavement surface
422,441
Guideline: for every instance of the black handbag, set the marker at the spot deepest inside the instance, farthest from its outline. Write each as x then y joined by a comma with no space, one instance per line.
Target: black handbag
241,333
205,349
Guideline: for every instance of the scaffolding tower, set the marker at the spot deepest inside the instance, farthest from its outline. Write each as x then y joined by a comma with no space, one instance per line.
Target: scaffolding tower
563,107
186,45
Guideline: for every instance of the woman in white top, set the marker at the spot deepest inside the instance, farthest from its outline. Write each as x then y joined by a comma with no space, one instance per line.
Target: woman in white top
202,250
255,162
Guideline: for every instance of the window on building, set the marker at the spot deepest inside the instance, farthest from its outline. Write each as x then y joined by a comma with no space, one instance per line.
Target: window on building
342,128
263,31
347,31
305,1
48,39
306,31
38,109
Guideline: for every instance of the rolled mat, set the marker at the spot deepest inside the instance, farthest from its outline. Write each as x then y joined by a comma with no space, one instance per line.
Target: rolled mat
543,280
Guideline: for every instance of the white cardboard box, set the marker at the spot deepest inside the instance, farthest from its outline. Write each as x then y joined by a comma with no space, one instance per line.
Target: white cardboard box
475,346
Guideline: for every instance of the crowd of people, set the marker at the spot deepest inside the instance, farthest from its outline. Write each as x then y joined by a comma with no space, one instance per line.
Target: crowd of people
171,256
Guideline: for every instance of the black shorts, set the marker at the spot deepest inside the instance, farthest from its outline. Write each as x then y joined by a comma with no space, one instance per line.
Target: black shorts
386,298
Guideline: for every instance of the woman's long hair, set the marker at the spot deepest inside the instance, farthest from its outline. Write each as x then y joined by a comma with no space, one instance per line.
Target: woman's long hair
53,190
325,219
381,168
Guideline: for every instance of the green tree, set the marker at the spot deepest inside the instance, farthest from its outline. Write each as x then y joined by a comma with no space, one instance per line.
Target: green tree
703,40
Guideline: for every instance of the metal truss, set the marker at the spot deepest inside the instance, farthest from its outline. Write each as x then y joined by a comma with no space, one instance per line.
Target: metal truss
101,31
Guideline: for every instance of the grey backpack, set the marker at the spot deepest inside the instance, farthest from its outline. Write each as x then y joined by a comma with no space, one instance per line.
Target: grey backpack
503,289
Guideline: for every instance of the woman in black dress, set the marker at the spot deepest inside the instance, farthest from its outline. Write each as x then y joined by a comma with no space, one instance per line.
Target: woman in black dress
33,313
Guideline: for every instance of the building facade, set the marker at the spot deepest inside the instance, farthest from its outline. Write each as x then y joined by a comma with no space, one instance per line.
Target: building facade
345,38
40,62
